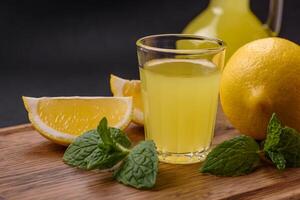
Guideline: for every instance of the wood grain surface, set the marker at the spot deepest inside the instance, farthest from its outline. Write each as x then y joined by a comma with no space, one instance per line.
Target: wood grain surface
31,168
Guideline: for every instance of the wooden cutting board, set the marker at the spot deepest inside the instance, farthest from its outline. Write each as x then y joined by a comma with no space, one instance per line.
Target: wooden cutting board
31,167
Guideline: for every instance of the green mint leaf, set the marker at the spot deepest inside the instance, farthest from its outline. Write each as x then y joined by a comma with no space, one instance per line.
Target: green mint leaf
234,157
79,152
272,142
274,131
282,145
140,167
112,138
104,133
118,136
289,147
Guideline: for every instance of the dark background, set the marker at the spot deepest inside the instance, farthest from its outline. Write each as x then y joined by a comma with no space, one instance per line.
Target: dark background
61,48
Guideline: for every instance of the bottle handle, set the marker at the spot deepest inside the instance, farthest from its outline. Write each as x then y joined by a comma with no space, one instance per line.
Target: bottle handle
274,19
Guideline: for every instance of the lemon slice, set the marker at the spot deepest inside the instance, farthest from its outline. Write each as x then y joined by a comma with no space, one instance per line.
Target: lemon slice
62,119
122,87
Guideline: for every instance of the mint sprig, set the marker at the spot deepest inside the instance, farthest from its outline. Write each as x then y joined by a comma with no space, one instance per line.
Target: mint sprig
90,151
105,147
241,154
282,145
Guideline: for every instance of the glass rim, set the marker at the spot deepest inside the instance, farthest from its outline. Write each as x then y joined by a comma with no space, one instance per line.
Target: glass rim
221,44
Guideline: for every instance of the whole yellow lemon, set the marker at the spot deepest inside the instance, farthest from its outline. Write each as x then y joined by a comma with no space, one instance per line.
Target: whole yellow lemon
261,78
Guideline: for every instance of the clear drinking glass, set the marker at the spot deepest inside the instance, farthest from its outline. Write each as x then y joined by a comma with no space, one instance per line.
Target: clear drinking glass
180,84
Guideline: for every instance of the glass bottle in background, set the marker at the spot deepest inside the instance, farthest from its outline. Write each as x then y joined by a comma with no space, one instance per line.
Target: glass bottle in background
233,22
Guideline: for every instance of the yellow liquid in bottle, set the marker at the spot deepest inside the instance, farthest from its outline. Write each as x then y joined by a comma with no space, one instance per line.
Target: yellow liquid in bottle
229,20
180,101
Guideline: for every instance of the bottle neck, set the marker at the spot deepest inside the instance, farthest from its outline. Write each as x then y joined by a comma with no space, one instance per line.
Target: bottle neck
237,5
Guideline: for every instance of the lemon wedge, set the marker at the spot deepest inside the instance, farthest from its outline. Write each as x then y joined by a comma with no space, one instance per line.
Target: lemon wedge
125,88
62,119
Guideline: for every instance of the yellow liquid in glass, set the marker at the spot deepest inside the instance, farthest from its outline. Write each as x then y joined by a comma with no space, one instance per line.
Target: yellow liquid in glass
180,101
